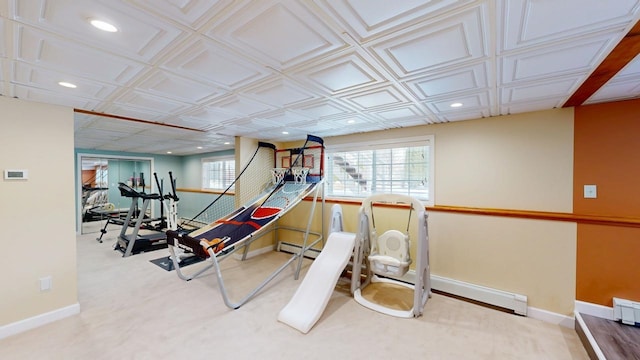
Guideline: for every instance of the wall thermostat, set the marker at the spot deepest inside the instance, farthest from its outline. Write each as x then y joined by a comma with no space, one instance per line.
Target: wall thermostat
16,174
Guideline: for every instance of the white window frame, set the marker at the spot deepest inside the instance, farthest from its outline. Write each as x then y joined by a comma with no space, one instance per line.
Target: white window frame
215,159
425,140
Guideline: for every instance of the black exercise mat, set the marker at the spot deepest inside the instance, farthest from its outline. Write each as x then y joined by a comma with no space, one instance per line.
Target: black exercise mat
167,264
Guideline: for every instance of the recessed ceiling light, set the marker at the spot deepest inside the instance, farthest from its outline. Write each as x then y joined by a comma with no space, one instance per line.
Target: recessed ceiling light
456,104
67,84
169,152
103,25
351,121
285,133
227,143
199,147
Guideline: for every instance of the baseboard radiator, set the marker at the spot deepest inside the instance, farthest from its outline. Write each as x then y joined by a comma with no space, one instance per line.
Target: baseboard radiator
515,302
295,249
626,311
503,299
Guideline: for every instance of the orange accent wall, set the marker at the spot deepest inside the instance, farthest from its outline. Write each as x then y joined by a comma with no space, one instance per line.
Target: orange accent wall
89,177
607,154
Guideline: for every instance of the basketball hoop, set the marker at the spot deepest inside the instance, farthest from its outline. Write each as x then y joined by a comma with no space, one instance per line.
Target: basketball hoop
300,174
277,174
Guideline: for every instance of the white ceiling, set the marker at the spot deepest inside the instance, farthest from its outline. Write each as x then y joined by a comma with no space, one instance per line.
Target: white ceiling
218,69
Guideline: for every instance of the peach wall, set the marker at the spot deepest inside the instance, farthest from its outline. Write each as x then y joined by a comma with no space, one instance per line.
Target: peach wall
39,213
607,145
522,161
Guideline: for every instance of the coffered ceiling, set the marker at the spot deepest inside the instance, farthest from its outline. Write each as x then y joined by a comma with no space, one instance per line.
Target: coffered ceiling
187,76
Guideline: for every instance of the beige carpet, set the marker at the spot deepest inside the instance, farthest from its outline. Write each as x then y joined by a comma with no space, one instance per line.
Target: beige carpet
389,295
132,309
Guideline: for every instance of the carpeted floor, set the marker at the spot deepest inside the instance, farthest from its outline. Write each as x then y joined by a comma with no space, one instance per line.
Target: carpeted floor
133,309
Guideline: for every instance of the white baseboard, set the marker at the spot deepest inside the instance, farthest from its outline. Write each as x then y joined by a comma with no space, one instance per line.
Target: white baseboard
38,320
596,310
551,317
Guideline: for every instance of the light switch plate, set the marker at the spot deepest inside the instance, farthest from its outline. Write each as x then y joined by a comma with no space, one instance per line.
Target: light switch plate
590,192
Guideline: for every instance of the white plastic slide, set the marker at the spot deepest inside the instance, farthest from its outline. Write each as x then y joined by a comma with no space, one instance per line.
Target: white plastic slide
309,301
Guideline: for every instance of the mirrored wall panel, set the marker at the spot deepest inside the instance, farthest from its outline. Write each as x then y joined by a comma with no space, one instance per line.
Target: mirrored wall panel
101,197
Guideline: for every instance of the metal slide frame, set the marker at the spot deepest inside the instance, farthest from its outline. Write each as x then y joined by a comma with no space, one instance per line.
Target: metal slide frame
216,258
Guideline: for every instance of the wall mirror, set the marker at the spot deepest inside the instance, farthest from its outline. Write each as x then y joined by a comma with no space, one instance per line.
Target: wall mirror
99,196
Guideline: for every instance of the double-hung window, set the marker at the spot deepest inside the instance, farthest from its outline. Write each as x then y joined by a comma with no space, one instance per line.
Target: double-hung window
218,172
400,166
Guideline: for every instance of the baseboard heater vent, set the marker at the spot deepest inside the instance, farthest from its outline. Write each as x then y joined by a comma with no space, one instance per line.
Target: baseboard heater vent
503,299
295,249
626,311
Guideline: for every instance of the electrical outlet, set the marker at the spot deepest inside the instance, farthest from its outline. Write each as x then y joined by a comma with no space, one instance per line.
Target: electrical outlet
45,283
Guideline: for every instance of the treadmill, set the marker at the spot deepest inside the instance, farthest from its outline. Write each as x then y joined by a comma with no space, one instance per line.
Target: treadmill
134,242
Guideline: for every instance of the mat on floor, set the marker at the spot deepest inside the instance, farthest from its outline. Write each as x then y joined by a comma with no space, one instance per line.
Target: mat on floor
167,264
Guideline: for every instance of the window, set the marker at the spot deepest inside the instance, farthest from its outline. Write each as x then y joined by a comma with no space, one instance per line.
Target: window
218,172
402,167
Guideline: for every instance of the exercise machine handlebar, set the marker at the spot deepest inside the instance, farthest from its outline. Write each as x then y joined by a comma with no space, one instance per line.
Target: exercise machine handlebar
159,185
128,191
174,194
